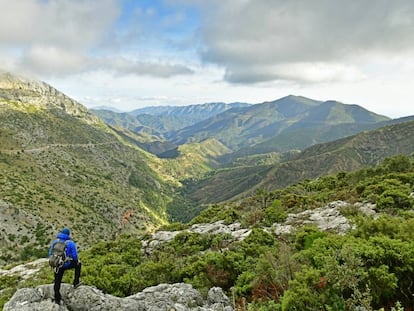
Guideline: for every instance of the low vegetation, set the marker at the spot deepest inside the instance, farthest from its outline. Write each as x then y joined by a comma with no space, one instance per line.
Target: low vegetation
371,266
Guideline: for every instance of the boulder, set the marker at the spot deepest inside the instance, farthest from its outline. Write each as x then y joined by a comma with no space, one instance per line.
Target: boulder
170,297
326,218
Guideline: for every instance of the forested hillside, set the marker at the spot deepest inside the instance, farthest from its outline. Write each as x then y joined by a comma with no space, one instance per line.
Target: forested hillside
288,123
163,119
347,154
246,127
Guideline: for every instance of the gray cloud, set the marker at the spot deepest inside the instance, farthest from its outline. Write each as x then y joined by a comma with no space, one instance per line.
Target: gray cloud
53,37
302,72
263,40
122,66
61,37
52,60
63,23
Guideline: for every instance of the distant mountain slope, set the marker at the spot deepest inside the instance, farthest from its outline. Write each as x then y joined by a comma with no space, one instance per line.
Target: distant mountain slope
108,108
62,166
162,119
346,154
193,160
132,123
289,123
193,112
333,112
244,127
300,138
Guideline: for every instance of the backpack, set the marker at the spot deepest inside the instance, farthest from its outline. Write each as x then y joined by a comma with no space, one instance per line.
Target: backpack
58,256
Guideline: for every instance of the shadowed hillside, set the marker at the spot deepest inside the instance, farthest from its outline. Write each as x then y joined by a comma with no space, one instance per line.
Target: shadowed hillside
347,154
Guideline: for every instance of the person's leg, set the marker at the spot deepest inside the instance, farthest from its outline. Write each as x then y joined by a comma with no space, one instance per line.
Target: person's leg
58,281
76,280
77,266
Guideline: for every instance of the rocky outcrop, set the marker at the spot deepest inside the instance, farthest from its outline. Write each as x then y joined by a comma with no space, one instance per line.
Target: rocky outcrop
25,271
163,297
218,227
29,91
326,218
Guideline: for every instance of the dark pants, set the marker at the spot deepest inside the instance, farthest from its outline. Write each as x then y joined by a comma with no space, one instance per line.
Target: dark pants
59,275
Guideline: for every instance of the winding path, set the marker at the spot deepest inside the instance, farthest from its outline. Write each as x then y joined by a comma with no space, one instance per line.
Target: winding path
46,147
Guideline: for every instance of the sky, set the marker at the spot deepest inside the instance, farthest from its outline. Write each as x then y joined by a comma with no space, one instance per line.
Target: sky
129,54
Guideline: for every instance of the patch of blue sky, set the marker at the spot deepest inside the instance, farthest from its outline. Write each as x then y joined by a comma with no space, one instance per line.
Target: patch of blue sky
154,20
155,29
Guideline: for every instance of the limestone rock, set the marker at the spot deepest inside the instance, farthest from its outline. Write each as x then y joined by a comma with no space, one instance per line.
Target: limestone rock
326,218
24,90
171,297
367,209
24,271
218,227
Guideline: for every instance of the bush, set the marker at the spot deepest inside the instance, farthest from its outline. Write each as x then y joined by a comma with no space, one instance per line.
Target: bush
274,213
268,305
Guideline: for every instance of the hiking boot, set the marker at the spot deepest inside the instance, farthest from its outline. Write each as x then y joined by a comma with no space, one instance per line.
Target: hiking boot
77,284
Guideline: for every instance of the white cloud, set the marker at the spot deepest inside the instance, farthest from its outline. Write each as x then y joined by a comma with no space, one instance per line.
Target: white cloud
66,37
53,36
123,66
246,35
52,60
61,23
300,72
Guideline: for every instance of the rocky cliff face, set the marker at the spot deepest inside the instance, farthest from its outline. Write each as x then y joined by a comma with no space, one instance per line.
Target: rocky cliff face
171,297
23,90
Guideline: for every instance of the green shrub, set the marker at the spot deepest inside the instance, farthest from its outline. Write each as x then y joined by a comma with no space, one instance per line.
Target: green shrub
275,213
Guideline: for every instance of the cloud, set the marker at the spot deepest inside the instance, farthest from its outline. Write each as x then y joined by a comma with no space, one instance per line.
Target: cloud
273,38
302,72
123,66
62,23
64,37
53,37
52,60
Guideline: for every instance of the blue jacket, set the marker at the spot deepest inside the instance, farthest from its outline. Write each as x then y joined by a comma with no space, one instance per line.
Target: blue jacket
71,251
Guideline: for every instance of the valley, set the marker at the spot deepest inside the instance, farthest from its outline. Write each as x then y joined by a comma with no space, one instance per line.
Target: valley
238,194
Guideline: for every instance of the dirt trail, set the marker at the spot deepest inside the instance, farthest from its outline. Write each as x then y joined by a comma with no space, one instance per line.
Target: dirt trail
52,146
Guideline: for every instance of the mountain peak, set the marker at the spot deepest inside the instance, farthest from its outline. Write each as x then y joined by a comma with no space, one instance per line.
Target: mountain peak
11,81
26,91
15,85
301,99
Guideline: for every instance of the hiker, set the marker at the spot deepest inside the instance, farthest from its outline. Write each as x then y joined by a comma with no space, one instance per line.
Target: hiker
69,261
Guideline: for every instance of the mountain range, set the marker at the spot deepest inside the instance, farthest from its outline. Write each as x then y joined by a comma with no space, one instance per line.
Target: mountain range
250,129
163,119
63,165
273,144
